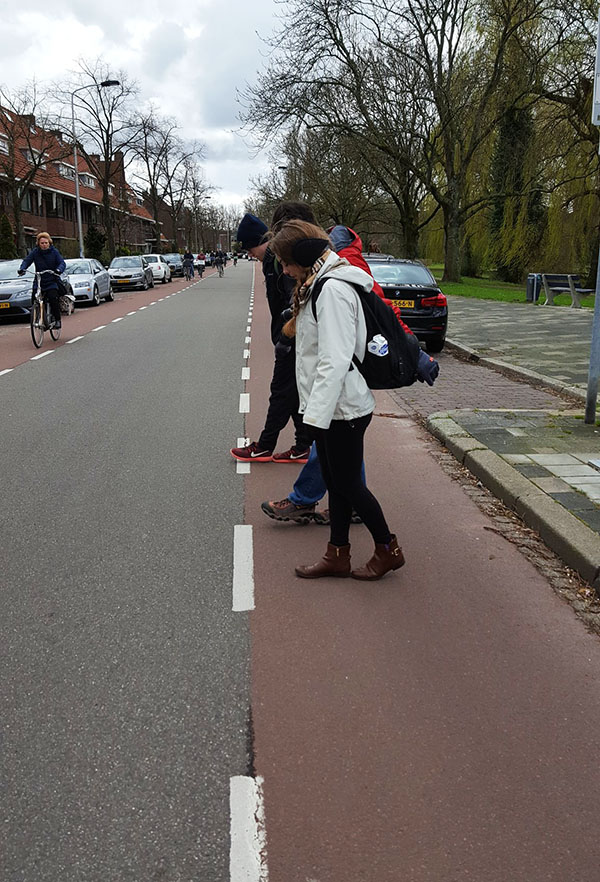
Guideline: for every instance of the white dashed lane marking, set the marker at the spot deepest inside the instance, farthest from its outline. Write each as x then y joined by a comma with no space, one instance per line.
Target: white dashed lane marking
243,568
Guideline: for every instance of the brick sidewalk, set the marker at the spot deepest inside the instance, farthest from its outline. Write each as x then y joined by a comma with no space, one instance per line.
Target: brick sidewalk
465,385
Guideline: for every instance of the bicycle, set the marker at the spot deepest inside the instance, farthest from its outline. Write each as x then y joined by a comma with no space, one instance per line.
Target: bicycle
40,316
189,272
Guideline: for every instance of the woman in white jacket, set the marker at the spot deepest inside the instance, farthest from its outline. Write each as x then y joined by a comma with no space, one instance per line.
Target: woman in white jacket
334,398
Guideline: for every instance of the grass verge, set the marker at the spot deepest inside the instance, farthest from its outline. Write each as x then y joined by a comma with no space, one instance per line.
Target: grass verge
492,289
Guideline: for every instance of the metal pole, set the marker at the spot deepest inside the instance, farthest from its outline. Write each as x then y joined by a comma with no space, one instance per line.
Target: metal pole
77,199
594,372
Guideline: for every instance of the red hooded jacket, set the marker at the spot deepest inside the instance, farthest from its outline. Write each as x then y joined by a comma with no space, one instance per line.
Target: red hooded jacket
353,254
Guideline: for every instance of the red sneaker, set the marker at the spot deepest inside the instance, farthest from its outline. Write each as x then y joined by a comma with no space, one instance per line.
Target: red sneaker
292,455
251,453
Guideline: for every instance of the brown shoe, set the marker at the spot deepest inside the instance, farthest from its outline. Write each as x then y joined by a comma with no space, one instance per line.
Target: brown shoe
386,558
335,562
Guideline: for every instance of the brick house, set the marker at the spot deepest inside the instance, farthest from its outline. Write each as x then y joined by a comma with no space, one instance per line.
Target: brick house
49,200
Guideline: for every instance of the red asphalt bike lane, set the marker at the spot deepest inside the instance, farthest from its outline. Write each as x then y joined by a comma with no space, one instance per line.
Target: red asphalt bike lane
16,345
436,726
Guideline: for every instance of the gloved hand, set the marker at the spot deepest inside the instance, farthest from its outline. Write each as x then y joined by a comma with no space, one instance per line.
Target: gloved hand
20,272
427,369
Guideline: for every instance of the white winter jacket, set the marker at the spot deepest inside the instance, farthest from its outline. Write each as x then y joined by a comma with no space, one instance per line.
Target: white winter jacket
328,389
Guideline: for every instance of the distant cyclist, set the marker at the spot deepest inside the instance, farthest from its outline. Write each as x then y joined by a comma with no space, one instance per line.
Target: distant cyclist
46,257
220,263
188,265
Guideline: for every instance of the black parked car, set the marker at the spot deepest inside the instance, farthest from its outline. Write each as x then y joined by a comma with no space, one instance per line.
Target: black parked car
175,261
410,285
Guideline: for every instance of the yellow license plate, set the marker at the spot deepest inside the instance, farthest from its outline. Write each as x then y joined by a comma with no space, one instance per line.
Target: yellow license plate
406,304
4,305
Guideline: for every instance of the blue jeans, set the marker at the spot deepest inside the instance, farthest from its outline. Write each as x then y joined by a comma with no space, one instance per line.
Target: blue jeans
310,485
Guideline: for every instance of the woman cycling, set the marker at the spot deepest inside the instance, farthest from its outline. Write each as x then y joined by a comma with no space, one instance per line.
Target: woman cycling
46,257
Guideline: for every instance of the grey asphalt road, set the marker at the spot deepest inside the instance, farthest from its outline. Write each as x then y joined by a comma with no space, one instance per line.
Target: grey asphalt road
550,340
125,673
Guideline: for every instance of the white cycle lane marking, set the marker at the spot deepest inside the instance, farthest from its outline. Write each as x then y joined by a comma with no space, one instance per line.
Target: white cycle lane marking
42,355
248,849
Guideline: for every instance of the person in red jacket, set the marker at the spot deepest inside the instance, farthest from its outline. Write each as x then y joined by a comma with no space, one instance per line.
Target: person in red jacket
348,244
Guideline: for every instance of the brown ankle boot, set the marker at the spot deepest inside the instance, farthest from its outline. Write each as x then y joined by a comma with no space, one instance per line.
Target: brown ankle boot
335,562
386,558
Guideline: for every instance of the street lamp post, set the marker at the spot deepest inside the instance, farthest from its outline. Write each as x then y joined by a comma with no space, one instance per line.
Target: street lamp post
103,84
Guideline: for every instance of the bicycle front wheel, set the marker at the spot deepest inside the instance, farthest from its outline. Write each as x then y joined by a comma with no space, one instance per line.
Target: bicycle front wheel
36,324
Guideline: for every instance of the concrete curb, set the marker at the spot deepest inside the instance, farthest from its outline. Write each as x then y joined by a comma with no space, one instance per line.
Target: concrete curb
518,373
572,540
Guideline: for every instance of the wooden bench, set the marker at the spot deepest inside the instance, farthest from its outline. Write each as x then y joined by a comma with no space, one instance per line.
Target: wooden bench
558,283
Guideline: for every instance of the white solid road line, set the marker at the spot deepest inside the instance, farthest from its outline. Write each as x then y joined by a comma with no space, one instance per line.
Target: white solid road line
244,402
43,355
243,568
7,371
247,855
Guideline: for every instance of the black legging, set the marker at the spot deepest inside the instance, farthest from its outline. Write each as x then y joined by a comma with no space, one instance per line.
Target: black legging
340,449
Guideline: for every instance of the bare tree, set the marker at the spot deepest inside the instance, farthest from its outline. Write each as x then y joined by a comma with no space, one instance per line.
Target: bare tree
105,131
28,145
166,167
414,82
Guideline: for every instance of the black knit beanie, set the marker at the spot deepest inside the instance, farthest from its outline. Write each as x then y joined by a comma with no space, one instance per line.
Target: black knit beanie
306,251
251,231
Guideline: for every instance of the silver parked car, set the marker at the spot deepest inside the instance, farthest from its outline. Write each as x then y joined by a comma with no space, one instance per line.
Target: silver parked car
15,290
131,272
160,268
90,281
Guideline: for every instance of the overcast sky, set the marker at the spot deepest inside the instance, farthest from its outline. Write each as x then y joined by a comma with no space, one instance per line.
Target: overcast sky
188,58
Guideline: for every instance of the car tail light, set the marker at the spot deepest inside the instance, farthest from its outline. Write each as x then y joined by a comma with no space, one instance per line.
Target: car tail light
436,300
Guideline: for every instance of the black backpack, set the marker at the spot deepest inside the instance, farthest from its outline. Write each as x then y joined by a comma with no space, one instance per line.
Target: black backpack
391,355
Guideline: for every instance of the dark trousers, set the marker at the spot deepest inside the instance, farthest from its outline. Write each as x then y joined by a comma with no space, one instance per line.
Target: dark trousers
340,449
283,403
51,296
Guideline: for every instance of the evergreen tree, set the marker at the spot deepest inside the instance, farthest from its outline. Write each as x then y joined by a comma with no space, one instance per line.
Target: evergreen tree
7,242
94,242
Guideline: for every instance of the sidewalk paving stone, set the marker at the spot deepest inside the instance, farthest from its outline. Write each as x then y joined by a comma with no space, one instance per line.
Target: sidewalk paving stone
517,422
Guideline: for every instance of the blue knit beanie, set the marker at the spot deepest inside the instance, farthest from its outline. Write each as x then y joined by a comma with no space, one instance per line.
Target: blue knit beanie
251,231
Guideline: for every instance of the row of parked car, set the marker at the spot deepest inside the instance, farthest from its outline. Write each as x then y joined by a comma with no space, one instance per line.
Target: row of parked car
408,283
88,280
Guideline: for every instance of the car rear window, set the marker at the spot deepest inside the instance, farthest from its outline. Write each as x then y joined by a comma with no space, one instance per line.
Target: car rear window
151,258
401,274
